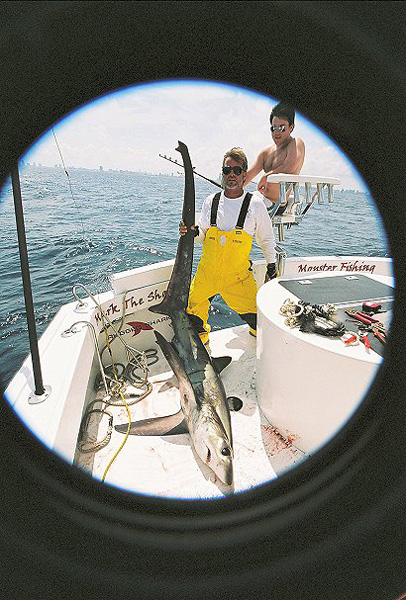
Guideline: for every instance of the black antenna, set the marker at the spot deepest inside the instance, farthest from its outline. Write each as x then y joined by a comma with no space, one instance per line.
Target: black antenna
40,393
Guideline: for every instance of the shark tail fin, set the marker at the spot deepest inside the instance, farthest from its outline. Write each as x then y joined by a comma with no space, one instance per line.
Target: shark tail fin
177,293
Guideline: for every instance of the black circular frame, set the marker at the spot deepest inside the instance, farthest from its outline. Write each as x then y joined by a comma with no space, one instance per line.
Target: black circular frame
332,528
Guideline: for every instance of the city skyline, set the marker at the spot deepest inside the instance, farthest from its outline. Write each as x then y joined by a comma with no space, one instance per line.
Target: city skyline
168,174
127,131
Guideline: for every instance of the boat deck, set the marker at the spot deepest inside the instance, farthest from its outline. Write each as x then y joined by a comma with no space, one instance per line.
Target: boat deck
284,378
167,466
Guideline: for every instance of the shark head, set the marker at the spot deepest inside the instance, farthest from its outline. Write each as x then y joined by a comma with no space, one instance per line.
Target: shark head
213,444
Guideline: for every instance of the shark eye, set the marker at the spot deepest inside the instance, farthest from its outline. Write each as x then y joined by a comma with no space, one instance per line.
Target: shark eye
208,458
226,451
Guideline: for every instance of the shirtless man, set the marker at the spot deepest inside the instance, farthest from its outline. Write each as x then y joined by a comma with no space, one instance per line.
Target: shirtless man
285,156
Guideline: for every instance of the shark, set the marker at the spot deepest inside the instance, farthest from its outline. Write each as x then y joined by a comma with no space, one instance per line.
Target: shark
205,408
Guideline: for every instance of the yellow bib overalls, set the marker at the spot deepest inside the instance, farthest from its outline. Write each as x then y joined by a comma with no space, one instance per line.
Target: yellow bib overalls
224,269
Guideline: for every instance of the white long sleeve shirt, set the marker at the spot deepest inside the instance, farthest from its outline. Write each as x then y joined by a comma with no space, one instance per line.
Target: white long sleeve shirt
257,222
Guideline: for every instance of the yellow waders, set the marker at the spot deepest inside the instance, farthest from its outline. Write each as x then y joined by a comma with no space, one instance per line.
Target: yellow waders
224,269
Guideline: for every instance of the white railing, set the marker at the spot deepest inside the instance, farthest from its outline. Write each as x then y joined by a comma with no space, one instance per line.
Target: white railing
297,207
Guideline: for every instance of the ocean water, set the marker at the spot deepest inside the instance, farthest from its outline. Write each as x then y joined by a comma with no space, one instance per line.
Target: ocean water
83,228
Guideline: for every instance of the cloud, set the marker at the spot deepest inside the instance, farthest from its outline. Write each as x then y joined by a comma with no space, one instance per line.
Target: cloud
130,128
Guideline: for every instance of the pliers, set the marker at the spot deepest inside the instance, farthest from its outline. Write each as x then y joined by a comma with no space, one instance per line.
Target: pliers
368,324
377,330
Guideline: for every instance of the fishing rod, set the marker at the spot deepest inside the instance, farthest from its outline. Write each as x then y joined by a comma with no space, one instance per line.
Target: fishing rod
175,162
69,182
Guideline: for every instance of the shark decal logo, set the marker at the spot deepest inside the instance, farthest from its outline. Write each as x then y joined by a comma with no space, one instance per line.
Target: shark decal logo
138,326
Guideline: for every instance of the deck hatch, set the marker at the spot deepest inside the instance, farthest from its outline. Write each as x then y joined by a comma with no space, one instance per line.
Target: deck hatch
340,289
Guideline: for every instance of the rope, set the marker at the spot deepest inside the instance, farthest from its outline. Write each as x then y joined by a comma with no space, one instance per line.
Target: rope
138,357
98,445
312,318
123,442
130,352
113,385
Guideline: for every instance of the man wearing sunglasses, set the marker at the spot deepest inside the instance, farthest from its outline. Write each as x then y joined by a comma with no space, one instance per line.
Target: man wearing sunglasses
286,155
228,222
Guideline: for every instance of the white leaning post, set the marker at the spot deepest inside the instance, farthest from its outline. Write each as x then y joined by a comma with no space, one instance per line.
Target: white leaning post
284,180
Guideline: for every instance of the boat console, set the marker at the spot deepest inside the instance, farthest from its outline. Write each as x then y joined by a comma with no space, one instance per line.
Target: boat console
308,383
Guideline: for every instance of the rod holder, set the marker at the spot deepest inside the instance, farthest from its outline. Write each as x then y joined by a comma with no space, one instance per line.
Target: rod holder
330,193
320,193
280,260
34,398
308,192
296,198
282,192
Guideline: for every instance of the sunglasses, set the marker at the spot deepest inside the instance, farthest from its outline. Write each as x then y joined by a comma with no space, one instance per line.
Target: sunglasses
235,170
280,128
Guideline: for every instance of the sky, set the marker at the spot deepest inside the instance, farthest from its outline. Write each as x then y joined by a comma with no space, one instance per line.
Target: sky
129,128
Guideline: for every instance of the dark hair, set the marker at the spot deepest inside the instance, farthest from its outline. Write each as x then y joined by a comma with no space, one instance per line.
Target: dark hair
283,111
238,155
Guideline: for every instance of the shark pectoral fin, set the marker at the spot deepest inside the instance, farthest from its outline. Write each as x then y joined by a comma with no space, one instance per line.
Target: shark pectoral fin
221,362
234,403
169,425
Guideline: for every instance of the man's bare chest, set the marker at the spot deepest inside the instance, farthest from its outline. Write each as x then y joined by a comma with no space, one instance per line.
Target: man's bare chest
274,159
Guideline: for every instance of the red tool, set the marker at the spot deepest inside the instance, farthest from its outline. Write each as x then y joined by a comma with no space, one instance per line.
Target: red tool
355,315
376,331
371,306
349,341
364,339
372,319
379,334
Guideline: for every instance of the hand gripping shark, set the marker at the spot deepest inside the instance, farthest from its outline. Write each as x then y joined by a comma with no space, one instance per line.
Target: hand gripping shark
205,412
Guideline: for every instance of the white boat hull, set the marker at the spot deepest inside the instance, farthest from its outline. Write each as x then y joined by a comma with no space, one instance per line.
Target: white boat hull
70,367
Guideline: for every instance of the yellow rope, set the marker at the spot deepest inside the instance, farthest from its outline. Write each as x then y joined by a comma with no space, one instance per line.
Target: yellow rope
127,408
125,403
124,441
